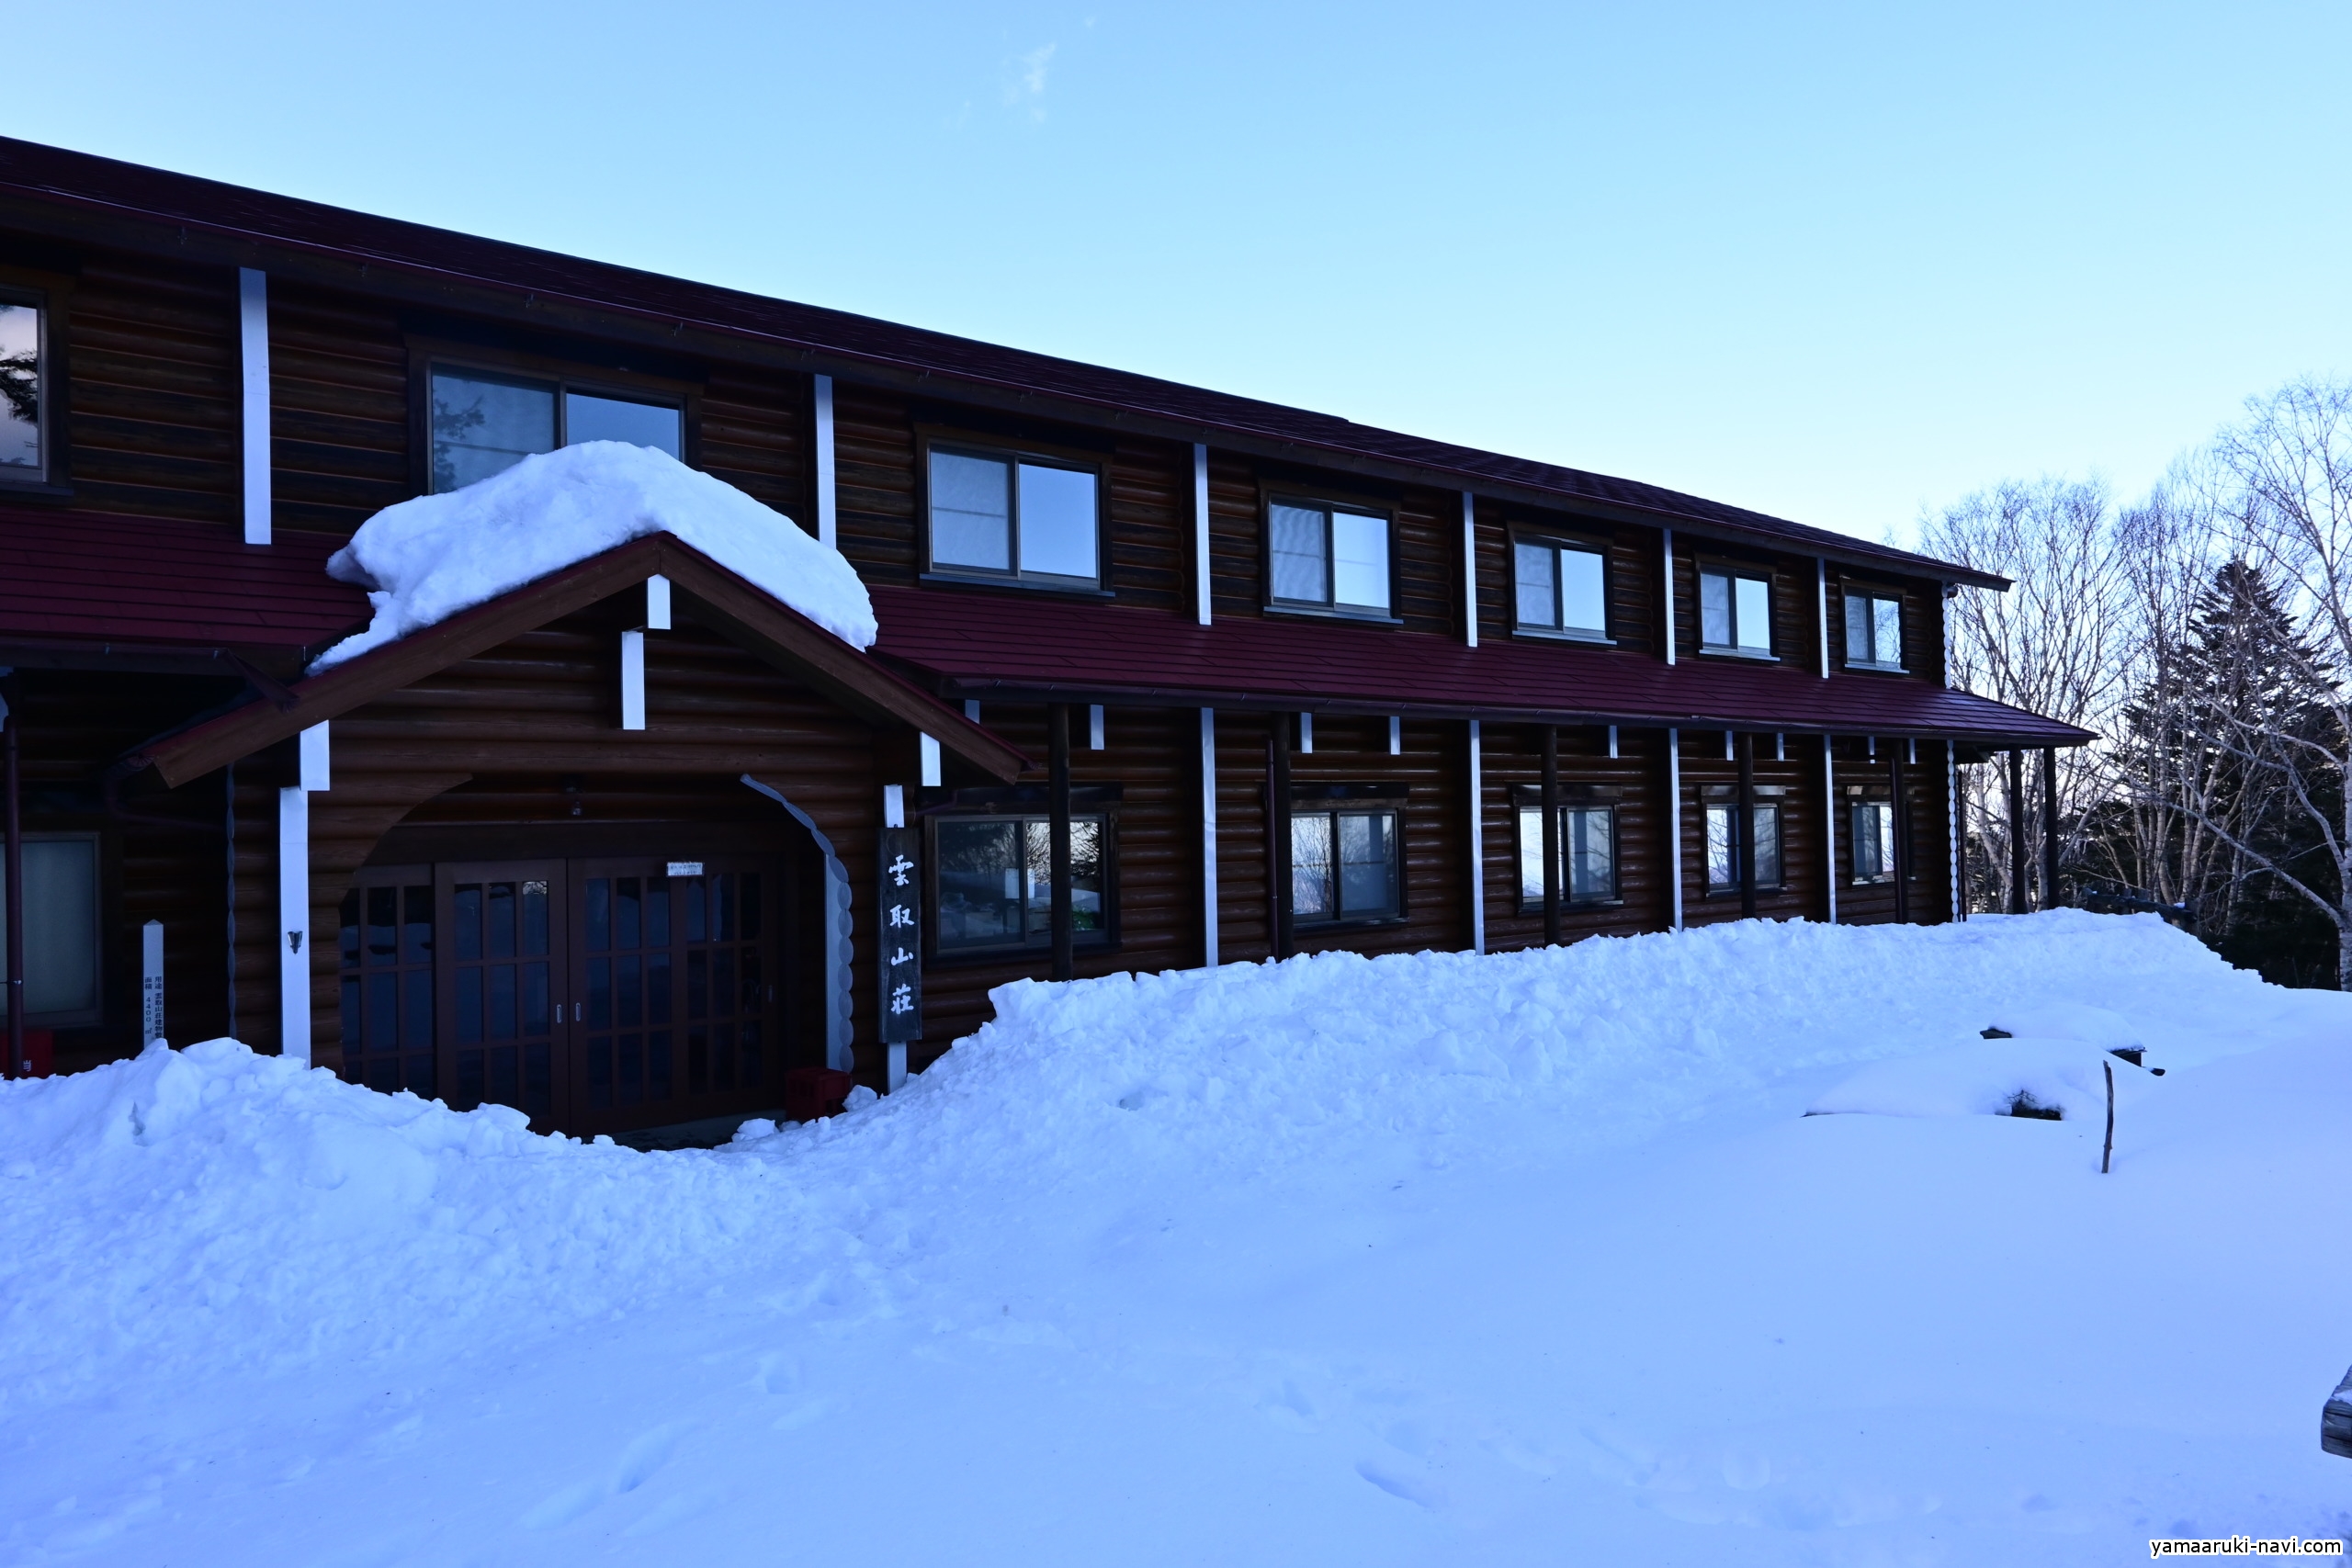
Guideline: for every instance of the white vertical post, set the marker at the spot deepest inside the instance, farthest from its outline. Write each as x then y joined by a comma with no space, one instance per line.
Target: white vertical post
1477,844
150,983
1829,819
1666,609
1396,735
1095,727
1307,734
1208,837
317,761
294,923
1780,747
1612,742
657,604
972,709
1470,587
1730,752
931,771
633,680
828,517
252,325
1821,607
1201,533
894,806
1674,819
1952,822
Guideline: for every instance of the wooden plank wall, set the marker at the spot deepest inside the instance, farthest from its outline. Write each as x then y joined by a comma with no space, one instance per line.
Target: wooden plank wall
1513,755
153,396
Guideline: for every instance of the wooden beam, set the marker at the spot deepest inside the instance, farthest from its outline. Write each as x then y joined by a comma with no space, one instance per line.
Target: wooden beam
1744,832
1064,923
1550,835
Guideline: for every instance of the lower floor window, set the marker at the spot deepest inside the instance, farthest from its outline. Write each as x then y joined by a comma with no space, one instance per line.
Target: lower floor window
996,881
1873,840
1587,854
60,927
1344,865
1723,848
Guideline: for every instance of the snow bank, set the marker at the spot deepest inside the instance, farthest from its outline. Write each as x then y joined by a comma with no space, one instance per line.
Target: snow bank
1989,1077
425,559
208,1207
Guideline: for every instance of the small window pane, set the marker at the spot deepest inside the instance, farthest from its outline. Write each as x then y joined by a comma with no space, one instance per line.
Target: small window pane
1591,848
485,425
1057,521
1530,854
1539,594
1310,868
587,417
1755,615
1887,644
1298,544
1714,609
1086,906
1584,590
20,389
1360,560
1873,842
980,883
1368,865
1723,862
1858,630
971,521
1767,846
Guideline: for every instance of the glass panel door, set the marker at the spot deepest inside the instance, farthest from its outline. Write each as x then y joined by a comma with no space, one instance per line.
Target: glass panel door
501,962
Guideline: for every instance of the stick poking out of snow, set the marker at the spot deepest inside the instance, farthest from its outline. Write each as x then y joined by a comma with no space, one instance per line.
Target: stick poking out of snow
426,559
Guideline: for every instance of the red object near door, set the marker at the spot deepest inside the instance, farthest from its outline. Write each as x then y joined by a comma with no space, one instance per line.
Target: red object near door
40,1055
811,1092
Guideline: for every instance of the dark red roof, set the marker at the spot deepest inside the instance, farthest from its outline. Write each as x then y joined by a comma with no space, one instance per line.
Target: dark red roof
974,644
94,580
103,186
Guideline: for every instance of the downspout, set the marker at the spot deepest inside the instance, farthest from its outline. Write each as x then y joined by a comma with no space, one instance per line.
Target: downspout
1829,819
1674,816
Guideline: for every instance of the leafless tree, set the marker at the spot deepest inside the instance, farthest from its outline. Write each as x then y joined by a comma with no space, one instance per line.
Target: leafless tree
2057,643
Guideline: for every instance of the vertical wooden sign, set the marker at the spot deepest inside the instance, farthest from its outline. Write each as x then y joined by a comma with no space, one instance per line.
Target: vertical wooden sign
901,948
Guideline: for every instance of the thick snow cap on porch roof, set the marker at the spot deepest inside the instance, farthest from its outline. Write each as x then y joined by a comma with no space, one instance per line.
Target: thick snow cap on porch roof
426,559
703,591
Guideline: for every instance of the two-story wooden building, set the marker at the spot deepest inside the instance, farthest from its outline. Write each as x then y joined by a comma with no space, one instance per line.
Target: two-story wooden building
1164,678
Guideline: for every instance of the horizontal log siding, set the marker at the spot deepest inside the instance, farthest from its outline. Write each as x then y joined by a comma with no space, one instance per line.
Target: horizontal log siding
339,409
1929,890
1147,752
1513,754
1635,565
1244,932
154,411
1434,766
751,429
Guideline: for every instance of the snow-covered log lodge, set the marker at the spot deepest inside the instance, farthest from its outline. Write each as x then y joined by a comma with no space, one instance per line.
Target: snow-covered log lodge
1160,677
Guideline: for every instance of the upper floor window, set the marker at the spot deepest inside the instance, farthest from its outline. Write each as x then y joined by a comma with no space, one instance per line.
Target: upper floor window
1873,630
24,356
485,422
1022,518
1327,557
1561,588
1734,610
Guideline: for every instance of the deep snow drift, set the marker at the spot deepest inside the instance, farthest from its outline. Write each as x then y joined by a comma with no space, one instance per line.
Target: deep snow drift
1431,1258
427,559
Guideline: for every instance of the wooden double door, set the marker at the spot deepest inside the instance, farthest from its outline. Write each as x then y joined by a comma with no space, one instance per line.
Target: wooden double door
597,995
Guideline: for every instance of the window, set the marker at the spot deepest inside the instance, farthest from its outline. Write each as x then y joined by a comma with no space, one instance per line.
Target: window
24,351
1343,863
1734,612
1873,840
485,422
1561,588
1328,556
1588,848
1014,517
1873,630
995,881
387,1002
1722,847
61,928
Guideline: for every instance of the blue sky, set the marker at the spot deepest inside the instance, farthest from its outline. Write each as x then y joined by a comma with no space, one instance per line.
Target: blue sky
1835,262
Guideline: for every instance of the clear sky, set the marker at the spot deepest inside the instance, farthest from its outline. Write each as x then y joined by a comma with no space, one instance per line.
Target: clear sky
1832,262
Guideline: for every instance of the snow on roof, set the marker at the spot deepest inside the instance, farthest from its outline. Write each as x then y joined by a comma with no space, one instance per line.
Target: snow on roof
426,559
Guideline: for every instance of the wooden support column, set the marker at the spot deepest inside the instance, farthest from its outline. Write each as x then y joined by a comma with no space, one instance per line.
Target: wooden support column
1552,835
2050,827
1058,779
1278,741
1902,809
2016,831
1743,836
16,906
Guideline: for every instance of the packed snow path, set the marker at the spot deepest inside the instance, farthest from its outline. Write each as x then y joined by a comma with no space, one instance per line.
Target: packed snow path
1529,1259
